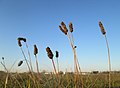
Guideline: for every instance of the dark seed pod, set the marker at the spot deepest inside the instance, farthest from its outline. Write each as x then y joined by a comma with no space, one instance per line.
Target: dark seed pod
20,63
71,27
65,31
35,50
102,28
19,43
2,58
49,53
57,54
22,39
64,27
47,49
62,30
75,46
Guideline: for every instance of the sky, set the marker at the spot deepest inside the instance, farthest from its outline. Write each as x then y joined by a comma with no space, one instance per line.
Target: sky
38,21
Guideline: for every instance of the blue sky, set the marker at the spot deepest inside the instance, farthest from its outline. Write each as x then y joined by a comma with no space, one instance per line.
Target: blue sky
38,21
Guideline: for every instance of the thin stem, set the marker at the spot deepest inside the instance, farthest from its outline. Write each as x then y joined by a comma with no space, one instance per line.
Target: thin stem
25,59
80,73
56,73
12,65
75,62
4,67
37,64
6,80
29,57
109,63
57,65
72,38
54,66
27,64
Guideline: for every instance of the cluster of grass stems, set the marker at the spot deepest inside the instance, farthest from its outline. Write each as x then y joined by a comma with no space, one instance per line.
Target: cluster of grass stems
56,79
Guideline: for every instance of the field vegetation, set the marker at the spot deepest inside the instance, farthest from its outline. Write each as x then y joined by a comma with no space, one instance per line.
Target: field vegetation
58,79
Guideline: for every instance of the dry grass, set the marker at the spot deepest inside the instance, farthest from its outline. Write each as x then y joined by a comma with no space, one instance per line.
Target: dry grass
109,63
57,79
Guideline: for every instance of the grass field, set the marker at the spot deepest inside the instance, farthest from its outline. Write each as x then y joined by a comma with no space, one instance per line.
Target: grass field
90,80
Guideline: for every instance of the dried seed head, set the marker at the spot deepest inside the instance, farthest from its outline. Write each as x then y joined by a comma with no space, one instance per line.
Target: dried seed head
35,50
102,28
62,30
57,54
19,43
47,49
22,39
65,31
71,27
49,53
75,46
20,63
2,58
50,56
64,27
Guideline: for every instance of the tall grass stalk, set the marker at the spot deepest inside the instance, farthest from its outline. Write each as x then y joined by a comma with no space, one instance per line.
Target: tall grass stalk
108,50
8,72
109,62
28,65
50,55
37,64
74,53
71,41
20,45
25,59
77,69
57,55
6,79
35,53
29,57
57,65
54,67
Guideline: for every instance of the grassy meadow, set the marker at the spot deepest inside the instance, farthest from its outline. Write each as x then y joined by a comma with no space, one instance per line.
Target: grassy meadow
24,80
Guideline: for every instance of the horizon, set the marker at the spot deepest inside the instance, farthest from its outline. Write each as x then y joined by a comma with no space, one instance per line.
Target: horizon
38,22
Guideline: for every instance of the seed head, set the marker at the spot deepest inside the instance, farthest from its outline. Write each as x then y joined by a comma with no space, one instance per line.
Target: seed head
63,25
57,54
75,46
35,50
63,28
49,53
20,63
21,39
2,58
19,43
102,28
71,27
